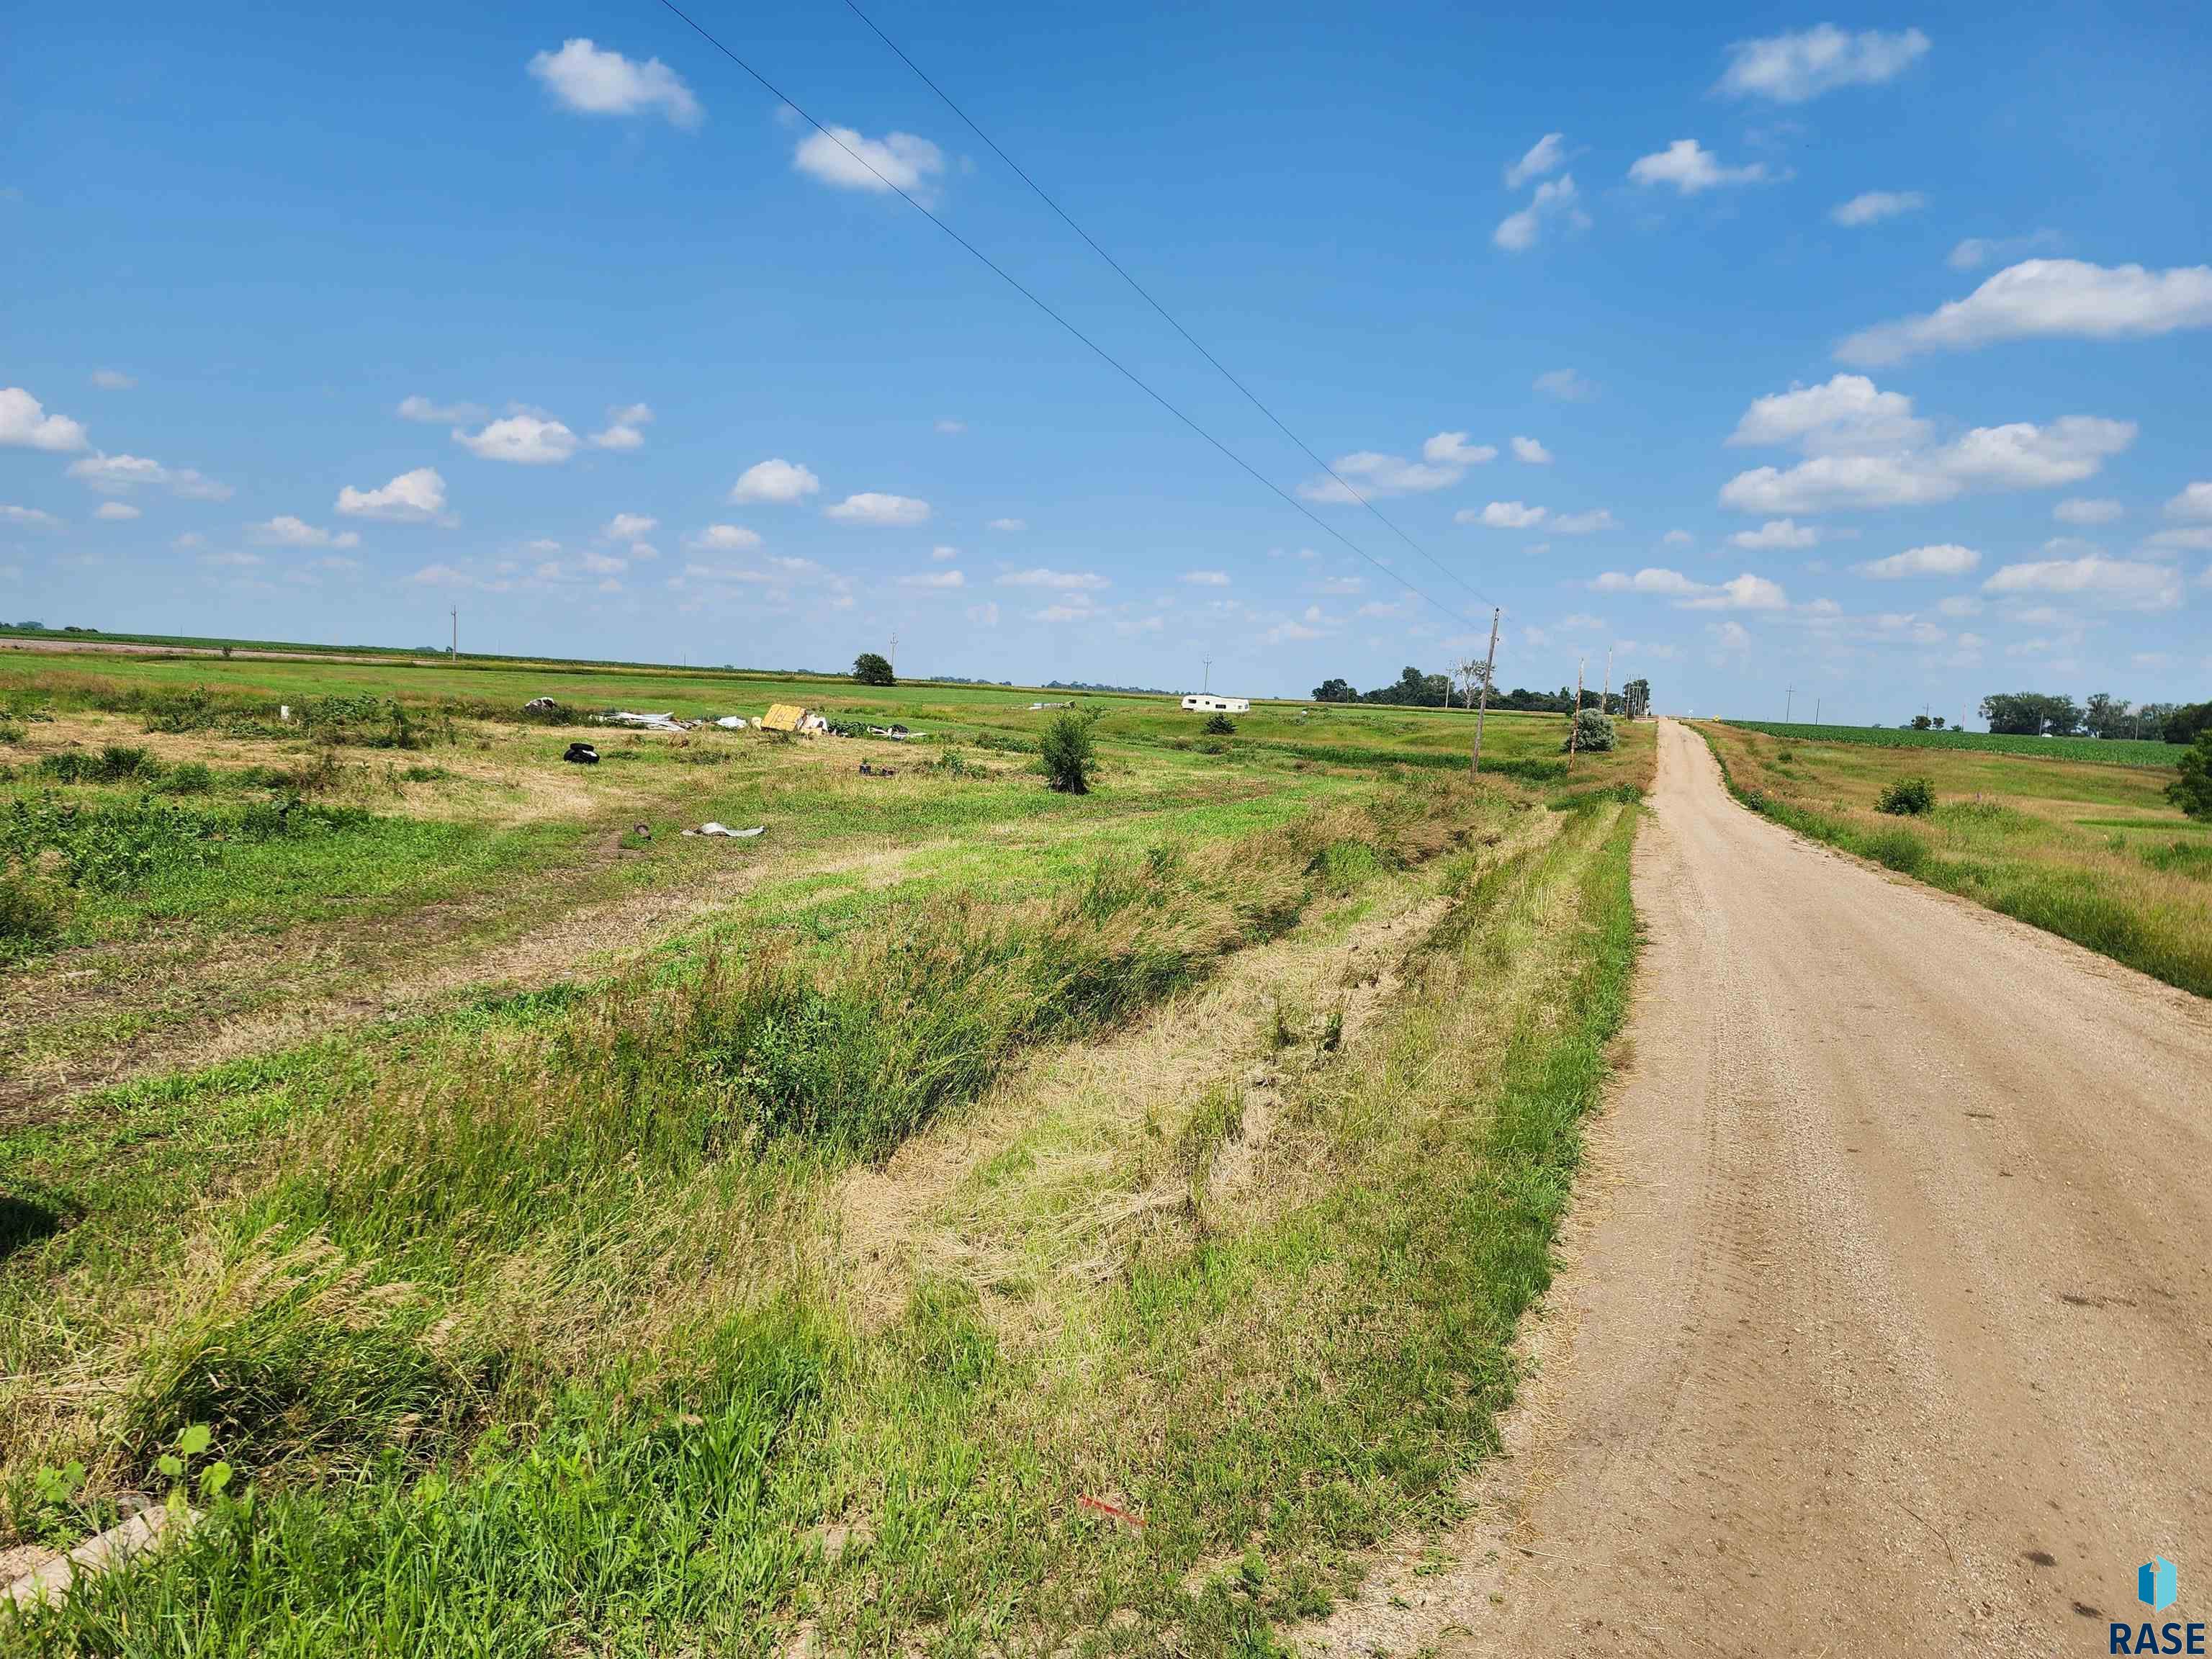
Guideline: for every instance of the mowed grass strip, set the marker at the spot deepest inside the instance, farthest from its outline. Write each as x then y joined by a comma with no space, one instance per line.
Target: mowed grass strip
2042,841
1276,1381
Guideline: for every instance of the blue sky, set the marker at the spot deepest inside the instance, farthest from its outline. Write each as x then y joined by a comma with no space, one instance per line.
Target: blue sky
1866,356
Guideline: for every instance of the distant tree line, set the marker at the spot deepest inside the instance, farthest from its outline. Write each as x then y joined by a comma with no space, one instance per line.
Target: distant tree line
2040,714
1087,686
1414,690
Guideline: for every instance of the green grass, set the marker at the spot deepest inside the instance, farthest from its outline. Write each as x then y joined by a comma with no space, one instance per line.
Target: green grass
2109,751
669,1491
2005,831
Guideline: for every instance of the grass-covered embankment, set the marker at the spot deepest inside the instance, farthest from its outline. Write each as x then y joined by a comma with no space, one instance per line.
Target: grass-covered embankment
545,1343
2091,853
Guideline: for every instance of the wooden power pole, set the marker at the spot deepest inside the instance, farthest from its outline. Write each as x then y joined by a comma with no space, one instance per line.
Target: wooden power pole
1489,666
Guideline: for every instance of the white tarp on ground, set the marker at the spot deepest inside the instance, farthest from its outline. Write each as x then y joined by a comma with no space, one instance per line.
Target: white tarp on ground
648,722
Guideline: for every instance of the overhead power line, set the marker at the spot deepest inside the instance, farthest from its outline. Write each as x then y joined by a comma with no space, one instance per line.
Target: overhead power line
1166,316
1011,281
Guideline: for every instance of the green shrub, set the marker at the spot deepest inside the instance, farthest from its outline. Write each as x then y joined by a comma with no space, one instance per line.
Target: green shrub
1900,849
1593,730
1907,798
1219,726
2185,858
33,914
191,778
1068,753
2192,790
195,710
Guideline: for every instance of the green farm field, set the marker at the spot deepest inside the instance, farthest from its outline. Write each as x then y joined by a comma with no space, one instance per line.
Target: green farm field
2106,751
930,1223
2086,849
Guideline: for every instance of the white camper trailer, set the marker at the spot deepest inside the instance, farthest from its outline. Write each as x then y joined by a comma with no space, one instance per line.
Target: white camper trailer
1205,702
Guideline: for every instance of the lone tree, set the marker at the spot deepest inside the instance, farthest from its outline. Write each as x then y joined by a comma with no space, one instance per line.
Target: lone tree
871,668
2192,791
1338,690
1066,753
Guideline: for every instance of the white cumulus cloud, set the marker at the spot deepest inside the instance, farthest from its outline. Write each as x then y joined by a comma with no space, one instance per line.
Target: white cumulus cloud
1555,198
624,428
1008,527
1798,66
1692,168
2077,510
933,579
2192,504
524,440
1872,206
1565,385
411,498
1528,450
1938,559
1072,581
2116,584
843,157
2047,298
430,414
25,424
115,512
1865,448
1744,593
775,480
35,516
1777,534
726,539
1503,516
884,511
592,80
286,530
1444,460
1206,578
117,475
1545,155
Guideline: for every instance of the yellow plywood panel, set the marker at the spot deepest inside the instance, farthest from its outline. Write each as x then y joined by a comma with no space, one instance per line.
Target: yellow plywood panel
783,717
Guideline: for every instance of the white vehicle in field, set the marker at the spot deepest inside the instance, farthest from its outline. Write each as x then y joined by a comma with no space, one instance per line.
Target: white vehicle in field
1205,702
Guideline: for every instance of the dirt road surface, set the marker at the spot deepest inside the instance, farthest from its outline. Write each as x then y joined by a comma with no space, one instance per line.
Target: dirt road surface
1886,1326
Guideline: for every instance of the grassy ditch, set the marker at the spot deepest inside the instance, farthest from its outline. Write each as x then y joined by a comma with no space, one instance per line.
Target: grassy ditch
548,1346
2019,837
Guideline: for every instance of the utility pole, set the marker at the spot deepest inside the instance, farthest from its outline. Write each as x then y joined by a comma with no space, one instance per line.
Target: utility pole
454,651
1577,719
1786,706
1489,667
894,655
1206,684
1605,699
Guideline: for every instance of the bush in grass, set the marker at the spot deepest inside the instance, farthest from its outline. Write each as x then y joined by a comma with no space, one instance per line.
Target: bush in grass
1594,730
33,914
2192,790
1219,725
1907,798
1068,753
